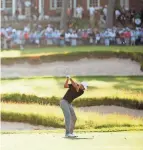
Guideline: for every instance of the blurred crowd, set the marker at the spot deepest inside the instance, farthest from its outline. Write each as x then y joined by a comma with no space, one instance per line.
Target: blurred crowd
51,36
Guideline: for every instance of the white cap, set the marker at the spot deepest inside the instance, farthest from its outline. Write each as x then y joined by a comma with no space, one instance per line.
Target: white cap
85,85
14,30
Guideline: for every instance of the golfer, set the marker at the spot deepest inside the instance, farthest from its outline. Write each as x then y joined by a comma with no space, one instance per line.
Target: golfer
74,90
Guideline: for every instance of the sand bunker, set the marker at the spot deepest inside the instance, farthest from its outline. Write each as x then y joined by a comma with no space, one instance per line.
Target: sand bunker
81,67
105,110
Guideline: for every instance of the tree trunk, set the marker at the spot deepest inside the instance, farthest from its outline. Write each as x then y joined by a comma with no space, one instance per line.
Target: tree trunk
64,16
110,13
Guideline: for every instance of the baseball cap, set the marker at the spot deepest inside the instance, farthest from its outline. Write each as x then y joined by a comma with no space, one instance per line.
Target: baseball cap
85,85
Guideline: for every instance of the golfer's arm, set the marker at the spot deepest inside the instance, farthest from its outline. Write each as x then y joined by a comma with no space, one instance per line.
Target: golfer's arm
74,85
66,85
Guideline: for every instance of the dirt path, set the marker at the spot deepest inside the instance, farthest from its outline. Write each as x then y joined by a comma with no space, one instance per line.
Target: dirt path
101,141
83,67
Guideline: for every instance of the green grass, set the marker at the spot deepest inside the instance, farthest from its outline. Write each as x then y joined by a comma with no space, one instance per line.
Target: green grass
61,130
101,141
66,50
52,116
99,87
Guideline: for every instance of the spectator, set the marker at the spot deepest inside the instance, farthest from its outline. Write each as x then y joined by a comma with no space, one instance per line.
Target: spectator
127,36
132,17
141,36
79,34
97,38
141,15
17,15
122,19
14,38
36,13
69,13
92,16
112,37
74,38
68,36
49,36
107,38
49,28
138,36
91,38
133,37
62,38
27,28
105,12
117,15
55,37
85,37
79,12
118,39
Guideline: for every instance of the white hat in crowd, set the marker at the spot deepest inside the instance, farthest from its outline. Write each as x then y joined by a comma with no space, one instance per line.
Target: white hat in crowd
14,30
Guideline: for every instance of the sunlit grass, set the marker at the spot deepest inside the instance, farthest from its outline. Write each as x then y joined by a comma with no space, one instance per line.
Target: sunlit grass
52,116
10,53
66,50
122,87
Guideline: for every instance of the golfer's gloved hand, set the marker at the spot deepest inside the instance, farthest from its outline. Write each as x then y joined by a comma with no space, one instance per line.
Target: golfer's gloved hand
68,76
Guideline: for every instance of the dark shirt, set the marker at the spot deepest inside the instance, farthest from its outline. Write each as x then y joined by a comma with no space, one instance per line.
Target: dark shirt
72,94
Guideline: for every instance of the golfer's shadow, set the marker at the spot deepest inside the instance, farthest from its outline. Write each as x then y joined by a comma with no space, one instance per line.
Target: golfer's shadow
79,138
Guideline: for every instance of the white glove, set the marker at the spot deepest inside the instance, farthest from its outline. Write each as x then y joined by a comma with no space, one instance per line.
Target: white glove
68,76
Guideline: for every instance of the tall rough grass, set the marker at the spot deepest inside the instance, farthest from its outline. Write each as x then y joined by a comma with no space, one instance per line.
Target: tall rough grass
130,102
52,116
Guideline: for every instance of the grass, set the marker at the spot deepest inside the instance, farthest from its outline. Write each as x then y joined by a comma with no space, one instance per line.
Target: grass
66,50
130,88
101,141
60,130
52,116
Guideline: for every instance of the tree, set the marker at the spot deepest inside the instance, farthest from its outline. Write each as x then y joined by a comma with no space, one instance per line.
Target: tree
64,16
110,13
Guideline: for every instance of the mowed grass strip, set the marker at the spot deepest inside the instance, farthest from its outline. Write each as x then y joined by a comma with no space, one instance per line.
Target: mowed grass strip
66,50
57,130
105,90
52,116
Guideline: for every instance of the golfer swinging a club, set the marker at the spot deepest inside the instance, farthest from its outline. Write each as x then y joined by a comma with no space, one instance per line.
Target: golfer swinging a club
74,90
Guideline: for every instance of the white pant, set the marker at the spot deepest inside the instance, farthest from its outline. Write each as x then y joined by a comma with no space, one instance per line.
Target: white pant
79,15
69,115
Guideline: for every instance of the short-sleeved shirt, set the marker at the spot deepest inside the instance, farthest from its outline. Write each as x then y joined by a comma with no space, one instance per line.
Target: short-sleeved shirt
72,94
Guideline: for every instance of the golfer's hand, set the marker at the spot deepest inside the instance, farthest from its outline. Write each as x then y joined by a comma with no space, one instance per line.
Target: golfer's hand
68,76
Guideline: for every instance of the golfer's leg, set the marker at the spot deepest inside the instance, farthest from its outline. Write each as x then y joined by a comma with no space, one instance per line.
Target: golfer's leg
67,115
73,119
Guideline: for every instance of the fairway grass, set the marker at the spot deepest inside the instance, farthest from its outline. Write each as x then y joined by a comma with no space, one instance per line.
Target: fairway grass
129,88
52,116
66,50
101,141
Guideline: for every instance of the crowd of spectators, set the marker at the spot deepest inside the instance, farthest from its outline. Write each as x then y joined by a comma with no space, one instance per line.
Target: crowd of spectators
51,36
131,16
